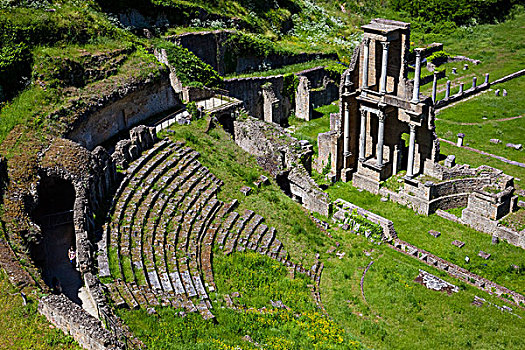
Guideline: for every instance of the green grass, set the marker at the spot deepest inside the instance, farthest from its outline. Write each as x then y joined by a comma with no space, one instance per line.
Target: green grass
22,326
499,47
414,228
402,314
293,68
492,108
308,130
259,279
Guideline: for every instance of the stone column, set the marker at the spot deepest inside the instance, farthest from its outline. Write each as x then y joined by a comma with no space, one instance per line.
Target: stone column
434,88
447,92
474,82
366,42
384,64
346,145
417,76
461,136
461,88
380,138
362,136
486,78
411,148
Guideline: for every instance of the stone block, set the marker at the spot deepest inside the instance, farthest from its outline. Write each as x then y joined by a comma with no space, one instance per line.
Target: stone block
450,161
435,234
517,146
246,190
458,244
496,141
483,255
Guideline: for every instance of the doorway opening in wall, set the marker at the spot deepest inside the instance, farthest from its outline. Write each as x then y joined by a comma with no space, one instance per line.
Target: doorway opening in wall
55,252
403,152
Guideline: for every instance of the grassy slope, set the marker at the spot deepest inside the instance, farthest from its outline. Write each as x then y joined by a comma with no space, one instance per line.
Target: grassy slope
499,47
22,327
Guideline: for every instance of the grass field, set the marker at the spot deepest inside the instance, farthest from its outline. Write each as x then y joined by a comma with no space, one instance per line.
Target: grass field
22,327
500,48
402,314
484,115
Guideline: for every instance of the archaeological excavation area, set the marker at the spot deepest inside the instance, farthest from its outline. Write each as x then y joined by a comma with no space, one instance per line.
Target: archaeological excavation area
296,175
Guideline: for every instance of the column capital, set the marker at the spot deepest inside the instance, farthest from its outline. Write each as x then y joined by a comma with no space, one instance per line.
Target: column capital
363,112
418,52
366,41
382,116
385,44
412,127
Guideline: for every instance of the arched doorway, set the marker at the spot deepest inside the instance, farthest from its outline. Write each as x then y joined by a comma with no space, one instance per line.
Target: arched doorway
54,215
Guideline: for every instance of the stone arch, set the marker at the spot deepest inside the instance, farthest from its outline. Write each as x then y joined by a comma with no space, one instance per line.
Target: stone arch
54,215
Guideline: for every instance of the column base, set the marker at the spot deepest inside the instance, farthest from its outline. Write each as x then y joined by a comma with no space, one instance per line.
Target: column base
346,174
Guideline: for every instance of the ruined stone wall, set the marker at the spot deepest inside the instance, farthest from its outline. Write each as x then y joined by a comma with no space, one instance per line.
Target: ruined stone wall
285,158
124,113
73,320
208,46
250,91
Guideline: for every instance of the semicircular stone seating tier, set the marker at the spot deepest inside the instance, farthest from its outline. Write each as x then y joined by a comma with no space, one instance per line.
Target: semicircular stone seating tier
164,220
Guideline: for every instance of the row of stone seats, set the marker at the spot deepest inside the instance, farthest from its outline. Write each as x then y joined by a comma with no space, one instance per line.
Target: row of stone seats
248,232
160,216
165,220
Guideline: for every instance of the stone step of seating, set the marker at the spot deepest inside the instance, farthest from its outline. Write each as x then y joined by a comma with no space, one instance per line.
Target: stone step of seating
266,240
204,311
248,232
126,294
113,229
233,237
225,227
115,296
255,239
137,232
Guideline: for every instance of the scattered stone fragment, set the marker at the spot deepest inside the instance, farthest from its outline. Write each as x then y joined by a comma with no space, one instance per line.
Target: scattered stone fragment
434,233
496,141
454,70
465,66
330,250
497,92
521,204
458,244
484,255
477,301
151,311
467,259
450,161
264,180
345,227
435,283
384,199
517,146
504,92
340,255
495,240
246,190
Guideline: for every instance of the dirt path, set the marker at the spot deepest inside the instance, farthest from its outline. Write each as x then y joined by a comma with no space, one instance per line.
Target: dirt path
483,122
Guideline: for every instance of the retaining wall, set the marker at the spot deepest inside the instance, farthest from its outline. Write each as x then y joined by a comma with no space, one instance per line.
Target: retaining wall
73,320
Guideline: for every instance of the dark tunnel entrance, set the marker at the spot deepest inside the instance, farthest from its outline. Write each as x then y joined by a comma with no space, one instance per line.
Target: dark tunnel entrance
54,215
